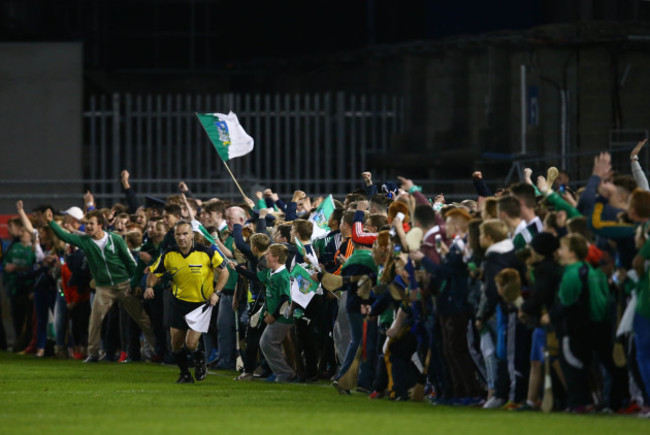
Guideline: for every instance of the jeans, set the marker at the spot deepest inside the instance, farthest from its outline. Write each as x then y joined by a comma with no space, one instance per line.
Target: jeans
44,298
156,309
642,341
368,366
438,372
226,333
60,319
355,320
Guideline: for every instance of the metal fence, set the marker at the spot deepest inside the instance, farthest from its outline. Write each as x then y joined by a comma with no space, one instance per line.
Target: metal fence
316,142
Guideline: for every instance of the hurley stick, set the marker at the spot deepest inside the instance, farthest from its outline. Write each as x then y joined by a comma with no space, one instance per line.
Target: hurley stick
547,400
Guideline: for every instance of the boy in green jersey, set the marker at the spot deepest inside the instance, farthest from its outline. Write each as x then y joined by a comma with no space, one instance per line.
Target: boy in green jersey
278,296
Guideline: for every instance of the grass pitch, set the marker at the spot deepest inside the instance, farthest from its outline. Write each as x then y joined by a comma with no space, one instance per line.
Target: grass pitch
53,396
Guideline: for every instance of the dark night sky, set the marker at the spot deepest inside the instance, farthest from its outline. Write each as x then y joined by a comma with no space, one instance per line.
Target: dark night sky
199,34
286,28
244,30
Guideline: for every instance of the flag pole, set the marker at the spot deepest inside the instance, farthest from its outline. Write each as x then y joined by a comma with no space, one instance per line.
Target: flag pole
234,179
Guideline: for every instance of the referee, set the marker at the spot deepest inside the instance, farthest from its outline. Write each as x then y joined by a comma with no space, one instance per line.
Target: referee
191,268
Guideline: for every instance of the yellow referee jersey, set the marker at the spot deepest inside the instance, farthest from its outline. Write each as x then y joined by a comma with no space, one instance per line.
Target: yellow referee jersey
192,275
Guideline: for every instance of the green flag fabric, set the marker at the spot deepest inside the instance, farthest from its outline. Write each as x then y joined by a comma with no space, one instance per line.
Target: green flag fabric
303,288
321,216
226,134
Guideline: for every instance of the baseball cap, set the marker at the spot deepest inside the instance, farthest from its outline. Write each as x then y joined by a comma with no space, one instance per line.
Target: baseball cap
75,212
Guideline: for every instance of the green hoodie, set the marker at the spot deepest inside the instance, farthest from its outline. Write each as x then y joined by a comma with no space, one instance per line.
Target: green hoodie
571,286
111,266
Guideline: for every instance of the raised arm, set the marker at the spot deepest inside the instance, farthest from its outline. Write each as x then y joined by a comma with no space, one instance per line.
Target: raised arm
184,190
89,201
371,189
358,234
260,224
637,171
72,239
190,212
292,208
602,171
414,190
240,243
23,217
528,180
556,200
480,185
131,198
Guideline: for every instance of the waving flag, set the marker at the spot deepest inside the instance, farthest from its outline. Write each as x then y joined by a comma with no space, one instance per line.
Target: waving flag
303,288
226,134
321,216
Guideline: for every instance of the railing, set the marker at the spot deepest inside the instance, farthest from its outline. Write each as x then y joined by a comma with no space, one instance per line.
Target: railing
316,142
223,187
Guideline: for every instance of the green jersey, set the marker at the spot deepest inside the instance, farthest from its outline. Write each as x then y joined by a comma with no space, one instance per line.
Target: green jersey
278,283
21,280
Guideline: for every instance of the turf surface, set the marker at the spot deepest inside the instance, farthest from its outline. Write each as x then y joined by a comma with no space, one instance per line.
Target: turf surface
53,396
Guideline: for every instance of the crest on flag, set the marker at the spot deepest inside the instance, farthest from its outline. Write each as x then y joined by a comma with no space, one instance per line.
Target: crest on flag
226,134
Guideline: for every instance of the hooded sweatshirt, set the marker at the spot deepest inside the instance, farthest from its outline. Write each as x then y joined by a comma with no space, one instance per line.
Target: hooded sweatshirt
111,265
499,256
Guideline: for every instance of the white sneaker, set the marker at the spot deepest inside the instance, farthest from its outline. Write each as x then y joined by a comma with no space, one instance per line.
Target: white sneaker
494,403
245,377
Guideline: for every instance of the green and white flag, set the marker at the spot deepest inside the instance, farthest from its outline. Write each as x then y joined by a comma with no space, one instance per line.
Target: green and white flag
321,216
226,134
309,256
303,288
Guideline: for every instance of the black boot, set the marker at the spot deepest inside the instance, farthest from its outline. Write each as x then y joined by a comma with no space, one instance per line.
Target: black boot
200,369
181,359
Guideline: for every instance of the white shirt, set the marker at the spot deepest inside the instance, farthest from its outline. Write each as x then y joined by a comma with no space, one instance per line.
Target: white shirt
538,223
102,242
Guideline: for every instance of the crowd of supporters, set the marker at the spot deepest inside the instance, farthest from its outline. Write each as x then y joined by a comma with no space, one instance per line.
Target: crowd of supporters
534,296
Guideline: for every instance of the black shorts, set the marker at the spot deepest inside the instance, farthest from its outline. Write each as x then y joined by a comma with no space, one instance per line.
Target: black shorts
178,310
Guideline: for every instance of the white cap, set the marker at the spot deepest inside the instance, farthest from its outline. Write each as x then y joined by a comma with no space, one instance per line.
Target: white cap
75,212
